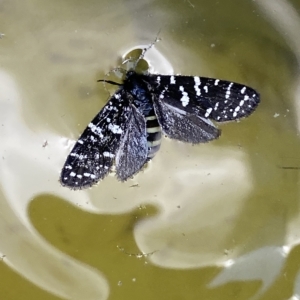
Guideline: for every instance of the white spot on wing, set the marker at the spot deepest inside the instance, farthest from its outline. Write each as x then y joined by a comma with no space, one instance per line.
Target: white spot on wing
115,128
185,98
92,138
95,129
228,90
208,111
108,154
162,95
197,80
196,86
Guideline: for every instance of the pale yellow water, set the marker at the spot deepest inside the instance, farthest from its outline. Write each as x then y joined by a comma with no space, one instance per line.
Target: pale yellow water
214,221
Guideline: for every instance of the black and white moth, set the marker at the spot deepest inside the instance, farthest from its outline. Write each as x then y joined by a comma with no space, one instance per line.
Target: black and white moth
127,131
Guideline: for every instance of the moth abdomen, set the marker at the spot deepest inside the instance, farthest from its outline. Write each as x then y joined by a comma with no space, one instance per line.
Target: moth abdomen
153,135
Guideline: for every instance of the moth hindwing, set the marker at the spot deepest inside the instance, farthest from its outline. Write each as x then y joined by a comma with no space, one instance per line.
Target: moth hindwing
127,131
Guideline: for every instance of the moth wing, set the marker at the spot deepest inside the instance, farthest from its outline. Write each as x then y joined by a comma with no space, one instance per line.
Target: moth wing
184,126
133,150
219,100
93,154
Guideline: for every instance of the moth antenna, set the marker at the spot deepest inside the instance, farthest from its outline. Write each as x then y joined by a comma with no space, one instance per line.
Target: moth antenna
110,81
157,39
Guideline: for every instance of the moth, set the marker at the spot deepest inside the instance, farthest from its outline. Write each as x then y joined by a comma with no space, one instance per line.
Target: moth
127,131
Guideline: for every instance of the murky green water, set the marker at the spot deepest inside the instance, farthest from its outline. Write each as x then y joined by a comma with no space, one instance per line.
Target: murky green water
213,221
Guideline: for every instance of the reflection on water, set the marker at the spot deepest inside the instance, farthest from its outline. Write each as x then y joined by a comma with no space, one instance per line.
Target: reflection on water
220,219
